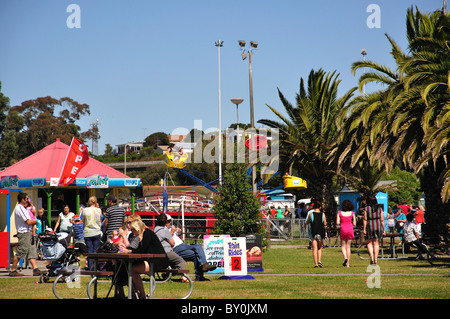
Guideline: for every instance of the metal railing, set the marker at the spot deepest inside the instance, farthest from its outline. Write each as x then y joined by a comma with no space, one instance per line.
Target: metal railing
280,228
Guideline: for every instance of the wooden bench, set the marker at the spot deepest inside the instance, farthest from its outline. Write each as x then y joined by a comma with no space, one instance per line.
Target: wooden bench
96,273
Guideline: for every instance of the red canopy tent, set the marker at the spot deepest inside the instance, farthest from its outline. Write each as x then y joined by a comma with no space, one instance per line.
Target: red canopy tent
48,162
39,169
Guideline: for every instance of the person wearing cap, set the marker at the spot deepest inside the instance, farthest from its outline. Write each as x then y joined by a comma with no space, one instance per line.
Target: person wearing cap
193,253
114,216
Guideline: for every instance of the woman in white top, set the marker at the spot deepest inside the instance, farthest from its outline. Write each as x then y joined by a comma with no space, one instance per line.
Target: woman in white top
92,221
64,223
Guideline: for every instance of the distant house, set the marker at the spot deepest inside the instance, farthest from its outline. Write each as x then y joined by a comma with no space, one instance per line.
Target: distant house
131,147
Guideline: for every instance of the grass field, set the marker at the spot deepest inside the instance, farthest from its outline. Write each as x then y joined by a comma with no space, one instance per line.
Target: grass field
288,274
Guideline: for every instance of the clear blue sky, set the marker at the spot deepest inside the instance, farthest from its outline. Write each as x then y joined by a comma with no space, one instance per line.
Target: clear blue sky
146,66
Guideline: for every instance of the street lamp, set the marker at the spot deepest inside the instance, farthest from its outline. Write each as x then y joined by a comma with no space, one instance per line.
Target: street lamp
364,53
237,101
253,46
125,159
219,44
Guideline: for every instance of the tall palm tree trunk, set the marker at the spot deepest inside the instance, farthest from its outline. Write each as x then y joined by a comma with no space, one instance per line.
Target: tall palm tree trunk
437,217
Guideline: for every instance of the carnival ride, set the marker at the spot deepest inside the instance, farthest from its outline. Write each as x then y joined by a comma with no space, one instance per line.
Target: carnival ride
175,159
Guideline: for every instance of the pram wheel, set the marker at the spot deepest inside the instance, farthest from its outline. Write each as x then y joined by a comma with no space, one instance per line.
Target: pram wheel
43,278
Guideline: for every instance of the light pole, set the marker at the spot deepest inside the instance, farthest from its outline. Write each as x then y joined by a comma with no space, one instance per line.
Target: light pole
253,46
364,53
125,159
219,44
237,101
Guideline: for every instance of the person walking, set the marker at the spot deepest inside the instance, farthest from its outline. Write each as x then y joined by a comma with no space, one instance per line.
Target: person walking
346,219
318,224
373,227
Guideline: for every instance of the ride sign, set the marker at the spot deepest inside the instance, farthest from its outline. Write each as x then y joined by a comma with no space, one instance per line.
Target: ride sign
235,256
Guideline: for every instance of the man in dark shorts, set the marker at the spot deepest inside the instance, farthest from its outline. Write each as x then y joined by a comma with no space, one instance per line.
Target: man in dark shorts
114,216
24,225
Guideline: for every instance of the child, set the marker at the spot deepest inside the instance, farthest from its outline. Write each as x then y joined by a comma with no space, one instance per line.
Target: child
411,235
116,239
78,235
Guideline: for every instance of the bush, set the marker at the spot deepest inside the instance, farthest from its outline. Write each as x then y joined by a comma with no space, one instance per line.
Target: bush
236,208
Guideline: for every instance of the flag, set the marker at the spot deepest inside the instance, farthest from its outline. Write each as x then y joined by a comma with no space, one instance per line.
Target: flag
77,157
165,198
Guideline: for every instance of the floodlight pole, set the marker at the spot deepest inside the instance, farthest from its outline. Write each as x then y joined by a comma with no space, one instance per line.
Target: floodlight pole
252,114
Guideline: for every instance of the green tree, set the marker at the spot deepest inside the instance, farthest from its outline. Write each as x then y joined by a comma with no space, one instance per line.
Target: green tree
4,108
38,124
236,207
308,132
155,139
406,124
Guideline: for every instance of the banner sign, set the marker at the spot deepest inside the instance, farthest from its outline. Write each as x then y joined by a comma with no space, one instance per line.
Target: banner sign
77,158
213,247
10,182
97,181
235,256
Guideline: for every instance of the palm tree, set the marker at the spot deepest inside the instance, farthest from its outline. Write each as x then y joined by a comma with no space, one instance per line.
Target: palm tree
307,134
407,123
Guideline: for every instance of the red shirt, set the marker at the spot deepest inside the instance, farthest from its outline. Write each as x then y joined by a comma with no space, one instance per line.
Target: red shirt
420,216
405,208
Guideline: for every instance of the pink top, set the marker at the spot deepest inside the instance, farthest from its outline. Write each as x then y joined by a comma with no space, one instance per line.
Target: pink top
346,231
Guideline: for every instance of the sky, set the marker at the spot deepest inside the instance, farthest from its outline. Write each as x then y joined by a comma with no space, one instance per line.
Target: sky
146,66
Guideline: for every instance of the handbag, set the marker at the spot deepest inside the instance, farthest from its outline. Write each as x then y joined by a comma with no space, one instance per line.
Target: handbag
107,247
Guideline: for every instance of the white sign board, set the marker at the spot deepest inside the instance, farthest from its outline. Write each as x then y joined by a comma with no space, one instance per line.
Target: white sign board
213,247
235,256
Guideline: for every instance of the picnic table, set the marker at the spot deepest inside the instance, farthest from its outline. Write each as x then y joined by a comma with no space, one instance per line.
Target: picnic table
125,260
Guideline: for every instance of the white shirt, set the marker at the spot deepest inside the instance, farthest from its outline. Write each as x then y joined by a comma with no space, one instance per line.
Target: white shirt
177,240
21,215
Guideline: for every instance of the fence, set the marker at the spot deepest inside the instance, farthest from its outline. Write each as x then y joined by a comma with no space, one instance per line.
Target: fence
280,228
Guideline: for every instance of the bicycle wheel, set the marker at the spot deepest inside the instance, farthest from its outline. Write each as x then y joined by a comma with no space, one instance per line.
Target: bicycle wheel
362,251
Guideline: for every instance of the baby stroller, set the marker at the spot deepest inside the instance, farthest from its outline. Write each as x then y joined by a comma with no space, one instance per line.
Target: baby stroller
54,249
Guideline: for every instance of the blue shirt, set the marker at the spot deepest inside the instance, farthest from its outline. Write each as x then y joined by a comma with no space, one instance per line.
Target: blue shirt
78,233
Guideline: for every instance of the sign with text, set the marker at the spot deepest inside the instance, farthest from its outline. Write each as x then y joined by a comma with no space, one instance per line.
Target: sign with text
10,182
235,256
77,157
97,181
213,247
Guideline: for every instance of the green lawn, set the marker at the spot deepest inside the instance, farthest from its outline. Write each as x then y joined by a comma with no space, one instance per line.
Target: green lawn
289,274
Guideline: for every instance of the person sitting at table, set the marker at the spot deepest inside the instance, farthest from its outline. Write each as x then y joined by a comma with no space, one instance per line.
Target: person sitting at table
193,253
167,241
148,244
